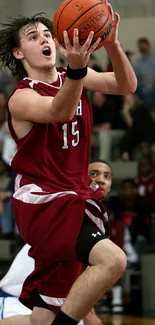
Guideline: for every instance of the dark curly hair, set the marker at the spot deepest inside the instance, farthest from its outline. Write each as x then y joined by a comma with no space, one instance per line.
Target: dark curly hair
10,39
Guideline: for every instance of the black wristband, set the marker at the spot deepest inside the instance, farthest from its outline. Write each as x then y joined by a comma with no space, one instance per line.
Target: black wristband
76,74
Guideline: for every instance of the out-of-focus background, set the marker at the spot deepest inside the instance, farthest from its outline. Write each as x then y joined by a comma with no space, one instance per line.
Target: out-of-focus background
123,135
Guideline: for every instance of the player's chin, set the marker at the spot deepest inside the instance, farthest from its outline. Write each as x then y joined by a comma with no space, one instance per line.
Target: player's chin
49,65
104,189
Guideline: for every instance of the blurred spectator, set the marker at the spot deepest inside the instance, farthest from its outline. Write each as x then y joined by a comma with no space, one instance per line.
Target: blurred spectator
106,118
7,82
101,106
8,227
135,212
145,71
4,81
140,125
6,216
4,175
9,145
146,149
145,181
3,102
3,110
106,113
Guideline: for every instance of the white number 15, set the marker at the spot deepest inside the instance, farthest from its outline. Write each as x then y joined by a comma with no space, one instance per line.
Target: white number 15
74,132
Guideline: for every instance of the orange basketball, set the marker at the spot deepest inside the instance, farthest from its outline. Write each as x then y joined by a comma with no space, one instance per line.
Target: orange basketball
86,15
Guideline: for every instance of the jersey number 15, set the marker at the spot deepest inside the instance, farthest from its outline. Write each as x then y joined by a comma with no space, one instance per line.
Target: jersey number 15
74,133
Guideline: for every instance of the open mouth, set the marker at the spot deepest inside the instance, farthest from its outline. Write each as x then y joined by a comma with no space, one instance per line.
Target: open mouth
46,51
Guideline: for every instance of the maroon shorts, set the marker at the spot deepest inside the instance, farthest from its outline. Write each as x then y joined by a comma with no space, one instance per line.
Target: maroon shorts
50,225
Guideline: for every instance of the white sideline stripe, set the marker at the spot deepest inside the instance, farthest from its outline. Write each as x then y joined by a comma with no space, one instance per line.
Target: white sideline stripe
53,301
97,221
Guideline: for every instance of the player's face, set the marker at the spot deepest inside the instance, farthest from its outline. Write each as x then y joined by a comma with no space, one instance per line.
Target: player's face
37,48
101,174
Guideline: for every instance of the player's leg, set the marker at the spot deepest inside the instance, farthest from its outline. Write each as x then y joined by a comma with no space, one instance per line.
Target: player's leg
44,316
16,320
107,262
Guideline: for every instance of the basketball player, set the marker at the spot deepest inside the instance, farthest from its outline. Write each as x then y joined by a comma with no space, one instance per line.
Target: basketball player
50,120
23,265
101,173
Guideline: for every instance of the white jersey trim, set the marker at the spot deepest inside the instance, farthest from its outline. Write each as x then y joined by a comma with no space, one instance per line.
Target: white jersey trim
33,81
25,194
98,222
94,203
53,301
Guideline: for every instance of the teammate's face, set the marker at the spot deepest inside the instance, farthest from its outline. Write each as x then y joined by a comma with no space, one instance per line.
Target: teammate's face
101,174
37,48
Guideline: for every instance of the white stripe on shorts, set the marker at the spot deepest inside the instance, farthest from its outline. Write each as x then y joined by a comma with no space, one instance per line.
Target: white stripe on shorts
53,301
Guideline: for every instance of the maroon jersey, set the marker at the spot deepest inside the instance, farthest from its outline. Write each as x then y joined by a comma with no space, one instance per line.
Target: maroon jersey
146,189
56,154
52,195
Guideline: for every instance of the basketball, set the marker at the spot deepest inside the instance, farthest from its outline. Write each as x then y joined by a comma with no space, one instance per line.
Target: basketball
86,16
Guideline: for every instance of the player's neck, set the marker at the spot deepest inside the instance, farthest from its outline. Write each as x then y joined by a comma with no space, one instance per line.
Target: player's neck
48,76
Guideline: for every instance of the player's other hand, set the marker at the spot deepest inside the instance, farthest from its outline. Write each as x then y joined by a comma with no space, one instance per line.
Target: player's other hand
113,36
77,55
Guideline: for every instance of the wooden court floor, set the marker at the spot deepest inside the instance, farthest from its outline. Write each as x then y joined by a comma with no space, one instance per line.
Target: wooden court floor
125,320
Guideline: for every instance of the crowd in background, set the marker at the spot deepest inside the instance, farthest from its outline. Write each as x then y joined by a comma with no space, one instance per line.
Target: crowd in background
123,129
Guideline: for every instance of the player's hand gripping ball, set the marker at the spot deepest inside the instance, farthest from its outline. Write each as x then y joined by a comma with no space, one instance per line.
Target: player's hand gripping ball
86,16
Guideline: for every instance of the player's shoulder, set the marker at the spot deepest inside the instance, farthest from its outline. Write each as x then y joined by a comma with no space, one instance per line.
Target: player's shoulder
19,96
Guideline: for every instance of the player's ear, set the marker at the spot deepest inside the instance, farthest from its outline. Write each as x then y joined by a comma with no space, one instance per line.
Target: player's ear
18,54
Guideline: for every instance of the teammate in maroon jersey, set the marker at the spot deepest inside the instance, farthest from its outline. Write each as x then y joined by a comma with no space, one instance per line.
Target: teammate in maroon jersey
50,119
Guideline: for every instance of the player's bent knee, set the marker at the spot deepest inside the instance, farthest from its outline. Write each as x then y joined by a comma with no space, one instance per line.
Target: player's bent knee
109,256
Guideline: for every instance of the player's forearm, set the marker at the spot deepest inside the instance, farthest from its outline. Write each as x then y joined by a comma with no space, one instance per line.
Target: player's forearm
124,73
66,101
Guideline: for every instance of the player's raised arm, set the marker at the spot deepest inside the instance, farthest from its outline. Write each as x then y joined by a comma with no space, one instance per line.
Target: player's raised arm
26,104
123,80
